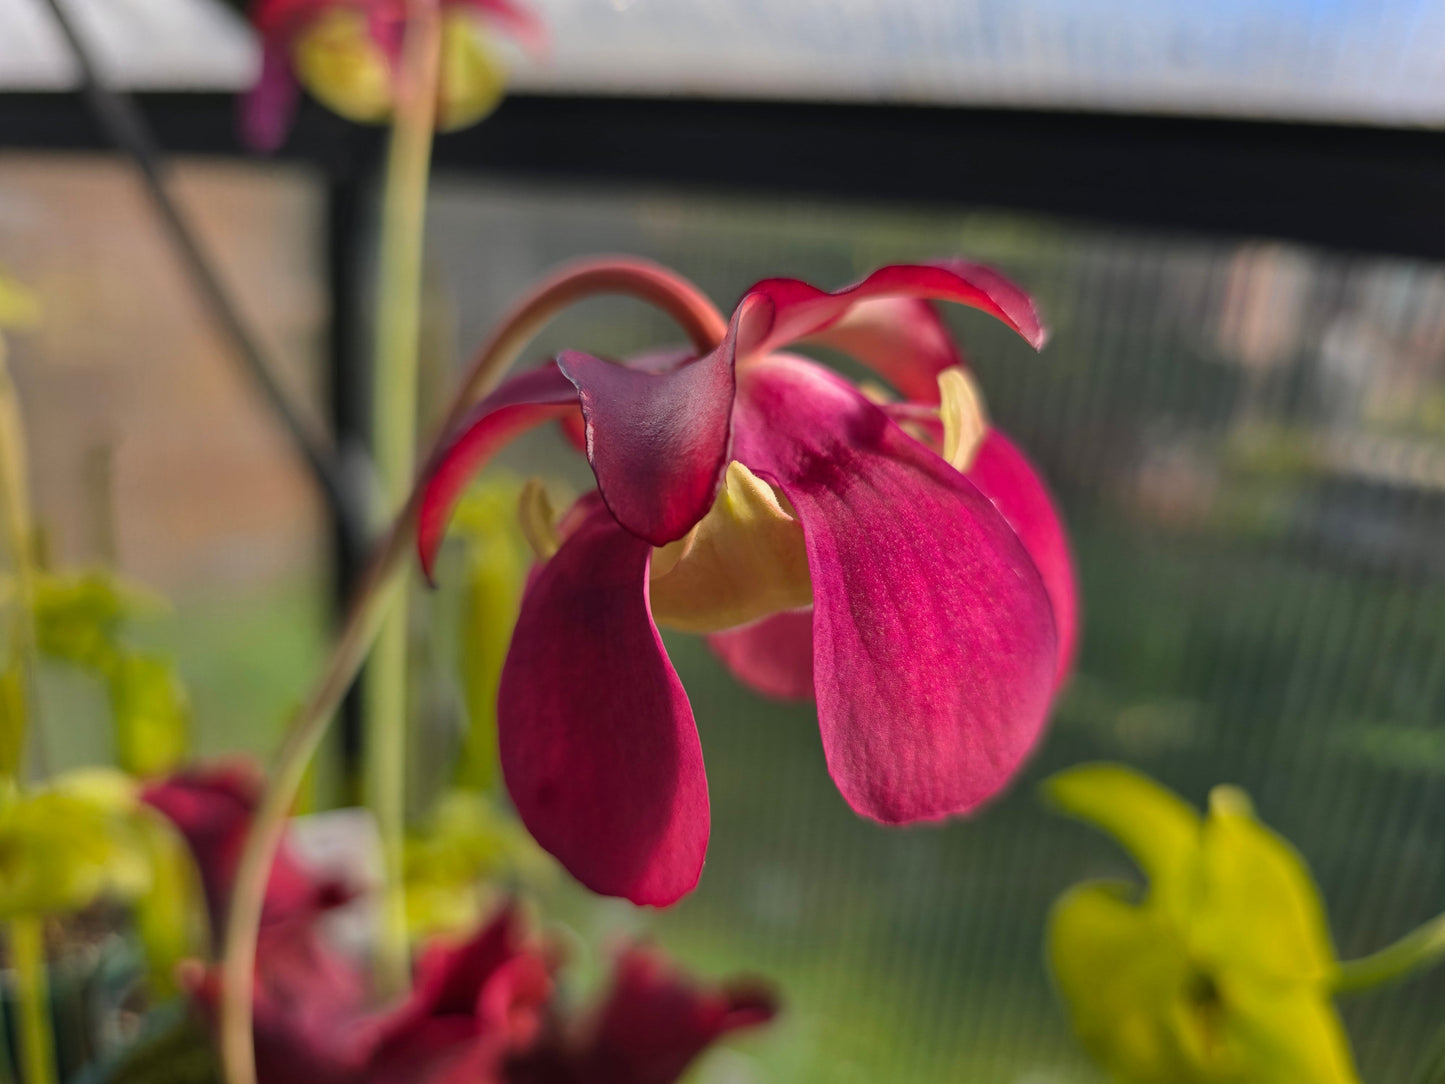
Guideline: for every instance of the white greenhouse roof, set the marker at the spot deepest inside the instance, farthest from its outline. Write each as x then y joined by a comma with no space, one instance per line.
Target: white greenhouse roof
1368,61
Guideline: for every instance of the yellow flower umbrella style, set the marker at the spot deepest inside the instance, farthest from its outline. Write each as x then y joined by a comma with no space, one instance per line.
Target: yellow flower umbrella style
1221,971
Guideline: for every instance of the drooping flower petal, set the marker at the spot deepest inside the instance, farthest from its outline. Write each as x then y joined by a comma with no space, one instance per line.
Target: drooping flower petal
652,1025
773,656
267,108
1005,476
523,402
933,636
800,311
655,1022
598,745
471,1004
308,1022
308,1009
658,442
902,339
212,808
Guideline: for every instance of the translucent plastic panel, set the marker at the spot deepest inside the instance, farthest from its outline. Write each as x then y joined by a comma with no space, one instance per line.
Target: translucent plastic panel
1362,61
1373,61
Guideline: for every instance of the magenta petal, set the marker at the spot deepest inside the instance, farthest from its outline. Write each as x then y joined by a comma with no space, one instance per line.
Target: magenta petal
1004,474
267,108
773,656
934,648
520,404
598,745
902,339
212,806
658,442
655,1022
800,311
387,25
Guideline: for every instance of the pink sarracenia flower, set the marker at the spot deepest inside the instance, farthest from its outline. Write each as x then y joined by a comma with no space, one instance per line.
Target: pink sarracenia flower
346,53
481,1011
649,1028
901,561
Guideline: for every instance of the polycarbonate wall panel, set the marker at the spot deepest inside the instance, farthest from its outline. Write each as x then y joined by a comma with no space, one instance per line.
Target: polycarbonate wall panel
1248,440
1355,61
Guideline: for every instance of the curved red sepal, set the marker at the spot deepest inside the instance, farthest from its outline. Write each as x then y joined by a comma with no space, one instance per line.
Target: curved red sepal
800,310
523,402
658,442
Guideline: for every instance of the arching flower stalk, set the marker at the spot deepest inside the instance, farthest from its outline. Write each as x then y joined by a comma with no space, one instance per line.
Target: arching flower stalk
701,324
901,561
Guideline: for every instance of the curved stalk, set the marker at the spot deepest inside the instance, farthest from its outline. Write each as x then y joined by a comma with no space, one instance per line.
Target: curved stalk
1420,948
27,935
647,282
394,397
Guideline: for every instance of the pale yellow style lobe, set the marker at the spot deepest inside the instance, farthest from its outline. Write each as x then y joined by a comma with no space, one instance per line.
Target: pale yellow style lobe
538,520
965,422
341,65
473,74
744,561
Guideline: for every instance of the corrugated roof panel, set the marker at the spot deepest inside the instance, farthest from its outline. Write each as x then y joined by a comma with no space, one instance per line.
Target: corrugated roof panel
151,44
1364,61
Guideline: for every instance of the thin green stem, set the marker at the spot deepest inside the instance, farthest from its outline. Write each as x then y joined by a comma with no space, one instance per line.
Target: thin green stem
1420,948
647,282
398,337
32,989
27,934
15,514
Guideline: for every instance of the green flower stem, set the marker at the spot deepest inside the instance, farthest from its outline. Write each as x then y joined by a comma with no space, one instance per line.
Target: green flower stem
37,1039
16,526
703,325
1420,948
27,935
398,336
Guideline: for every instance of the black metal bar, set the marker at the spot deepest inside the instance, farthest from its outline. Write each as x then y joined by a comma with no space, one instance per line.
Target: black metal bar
350,408
1364,189
127,129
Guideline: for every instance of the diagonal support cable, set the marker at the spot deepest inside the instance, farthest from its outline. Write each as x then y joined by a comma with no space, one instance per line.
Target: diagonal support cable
124,125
